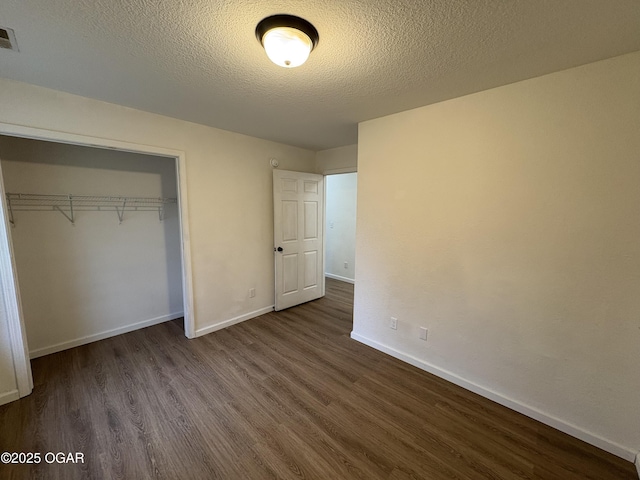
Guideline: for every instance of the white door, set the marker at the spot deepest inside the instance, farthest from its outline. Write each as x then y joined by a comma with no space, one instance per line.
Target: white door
298,206
11,306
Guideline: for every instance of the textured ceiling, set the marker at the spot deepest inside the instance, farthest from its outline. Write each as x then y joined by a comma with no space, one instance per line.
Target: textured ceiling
200,61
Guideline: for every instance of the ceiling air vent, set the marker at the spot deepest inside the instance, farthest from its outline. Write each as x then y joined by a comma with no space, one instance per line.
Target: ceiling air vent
8,39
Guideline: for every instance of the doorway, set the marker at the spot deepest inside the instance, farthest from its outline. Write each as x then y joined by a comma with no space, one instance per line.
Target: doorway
11,293
340,228
96,240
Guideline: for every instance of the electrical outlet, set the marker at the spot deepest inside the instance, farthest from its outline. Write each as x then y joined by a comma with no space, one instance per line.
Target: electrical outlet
393,323
346,264
252,292
423,333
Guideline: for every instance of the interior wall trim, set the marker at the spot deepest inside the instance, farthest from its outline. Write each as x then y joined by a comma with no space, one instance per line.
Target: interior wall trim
557,423
232,321
339,171
58,347
9,396
338,277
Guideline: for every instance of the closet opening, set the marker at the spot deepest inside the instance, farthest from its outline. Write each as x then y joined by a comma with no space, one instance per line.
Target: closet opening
98,231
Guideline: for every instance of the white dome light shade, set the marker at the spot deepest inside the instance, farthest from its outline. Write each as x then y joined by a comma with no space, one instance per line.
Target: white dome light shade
288,40
287,47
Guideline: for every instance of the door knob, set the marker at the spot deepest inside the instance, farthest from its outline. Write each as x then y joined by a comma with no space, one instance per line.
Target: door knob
280,249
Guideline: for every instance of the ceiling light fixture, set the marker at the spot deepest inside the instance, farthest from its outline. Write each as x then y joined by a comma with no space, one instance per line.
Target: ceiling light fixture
288,40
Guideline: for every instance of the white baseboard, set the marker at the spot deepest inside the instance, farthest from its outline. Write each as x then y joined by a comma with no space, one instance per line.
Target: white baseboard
342,279
233,321
58,347
9,396
527,410
638,464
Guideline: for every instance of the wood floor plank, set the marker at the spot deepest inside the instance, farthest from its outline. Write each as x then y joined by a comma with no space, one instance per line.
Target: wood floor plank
287,395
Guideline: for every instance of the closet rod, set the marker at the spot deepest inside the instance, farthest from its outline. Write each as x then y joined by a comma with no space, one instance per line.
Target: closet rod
68,204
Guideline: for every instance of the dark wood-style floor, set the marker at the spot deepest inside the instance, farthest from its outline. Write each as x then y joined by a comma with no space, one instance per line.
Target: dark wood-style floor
286,395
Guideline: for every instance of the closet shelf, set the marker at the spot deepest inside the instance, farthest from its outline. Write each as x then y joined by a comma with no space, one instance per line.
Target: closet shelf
67,205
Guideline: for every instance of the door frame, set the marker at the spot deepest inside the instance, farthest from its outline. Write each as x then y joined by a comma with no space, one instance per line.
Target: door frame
326,173
8,275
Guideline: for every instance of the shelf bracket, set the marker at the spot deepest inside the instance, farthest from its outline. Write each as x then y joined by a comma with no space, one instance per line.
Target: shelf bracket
13,223
161,212
69,217
121,213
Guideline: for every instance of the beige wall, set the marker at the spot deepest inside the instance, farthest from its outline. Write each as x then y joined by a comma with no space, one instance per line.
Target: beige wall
229,189
337,160
508,224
